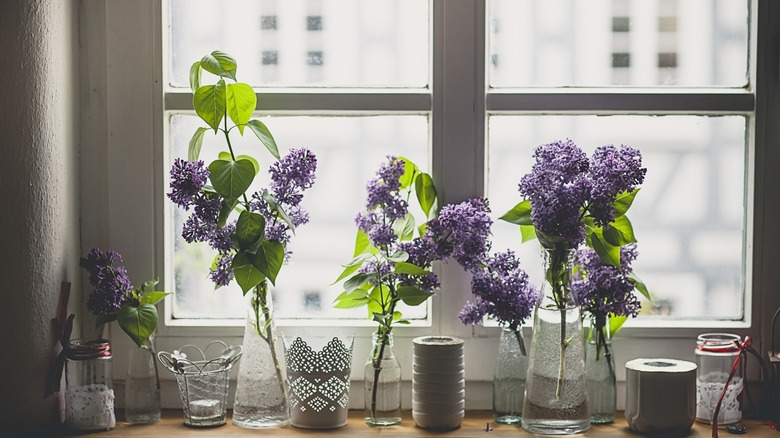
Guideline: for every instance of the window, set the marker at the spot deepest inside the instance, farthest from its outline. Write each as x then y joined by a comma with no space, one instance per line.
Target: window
473,121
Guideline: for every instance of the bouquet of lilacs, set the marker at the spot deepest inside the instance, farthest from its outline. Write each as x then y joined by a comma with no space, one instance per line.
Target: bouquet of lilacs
571,200
502,292
391,265
114,298
251,247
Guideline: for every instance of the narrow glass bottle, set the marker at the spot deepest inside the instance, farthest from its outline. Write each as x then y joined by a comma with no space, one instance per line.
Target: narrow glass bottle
509,377
142,387
382,383
600,372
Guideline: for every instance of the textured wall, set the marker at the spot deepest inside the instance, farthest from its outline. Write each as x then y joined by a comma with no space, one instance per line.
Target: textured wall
38,196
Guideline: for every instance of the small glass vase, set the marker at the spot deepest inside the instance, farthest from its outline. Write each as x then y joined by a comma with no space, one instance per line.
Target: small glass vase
509,377
382,387
261,394
142,387
600,371
556,399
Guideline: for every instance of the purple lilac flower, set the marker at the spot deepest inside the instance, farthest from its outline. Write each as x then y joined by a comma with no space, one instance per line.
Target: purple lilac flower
502,291
612,171
223,273
467,228
558,188
187,179
602,289
222,238
384,190
109,282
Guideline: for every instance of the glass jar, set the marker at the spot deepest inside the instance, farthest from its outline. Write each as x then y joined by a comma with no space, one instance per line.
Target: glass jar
382,383
89,386
715,357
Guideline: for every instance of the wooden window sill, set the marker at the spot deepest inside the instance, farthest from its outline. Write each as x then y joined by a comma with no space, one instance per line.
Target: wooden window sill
171,425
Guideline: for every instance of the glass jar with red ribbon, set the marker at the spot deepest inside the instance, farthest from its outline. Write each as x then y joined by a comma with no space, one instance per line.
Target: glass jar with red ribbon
716,358
89,386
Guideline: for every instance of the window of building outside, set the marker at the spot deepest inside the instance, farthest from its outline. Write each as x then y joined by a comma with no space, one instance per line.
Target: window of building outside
467,91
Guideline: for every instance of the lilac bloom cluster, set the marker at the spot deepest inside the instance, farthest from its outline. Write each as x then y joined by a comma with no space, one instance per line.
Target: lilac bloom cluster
290,177
564,185
187,178
602,289
612,171
109,282
384,204
502,291
558,188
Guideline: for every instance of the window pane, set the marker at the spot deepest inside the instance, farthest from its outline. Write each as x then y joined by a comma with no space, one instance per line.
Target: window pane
349,43
688,216
349,151
546,43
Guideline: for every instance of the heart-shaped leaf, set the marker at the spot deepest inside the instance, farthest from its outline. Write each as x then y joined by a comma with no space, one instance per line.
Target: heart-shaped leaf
231,178
209,103
138,322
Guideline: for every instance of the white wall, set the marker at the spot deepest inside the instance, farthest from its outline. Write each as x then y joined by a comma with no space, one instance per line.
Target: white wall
39,213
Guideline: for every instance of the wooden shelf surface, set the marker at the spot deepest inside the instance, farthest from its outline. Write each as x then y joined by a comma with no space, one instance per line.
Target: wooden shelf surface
474,425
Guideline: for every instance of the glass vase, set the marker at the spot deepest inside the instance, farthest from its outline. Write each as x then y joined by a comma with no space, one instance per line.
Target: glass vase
142,387
509,377
382,387
600,372
556,399
261,394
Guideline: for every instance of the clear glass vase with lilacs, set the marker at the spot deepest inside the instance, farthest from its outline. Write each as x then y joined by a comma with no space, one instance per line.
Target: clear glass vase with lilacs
248,228
504,294
393,264
570,200
605,294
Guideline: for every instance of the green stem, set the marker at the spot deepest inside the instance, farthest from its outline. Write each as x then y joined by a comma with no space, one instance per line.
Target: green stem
233,156
562,365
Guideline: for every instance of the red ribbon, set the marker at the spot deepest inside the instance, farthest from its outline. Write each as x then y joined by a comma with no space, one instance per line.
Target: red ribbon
62,329
744,347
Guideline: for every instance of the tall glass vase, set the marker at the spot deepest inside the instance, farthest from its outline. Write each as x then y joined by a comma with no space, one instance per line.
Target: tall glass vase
600,371
556,400
142,386
382,383
509,377
261,395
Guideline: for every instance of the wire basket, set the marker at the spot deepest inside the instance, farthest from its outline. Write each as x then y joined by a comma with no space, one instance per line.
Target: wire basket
203,383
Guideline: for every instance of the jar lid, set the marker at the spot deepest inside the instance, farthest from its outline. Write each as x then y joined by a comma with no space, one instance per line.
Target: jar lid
80,349
718,342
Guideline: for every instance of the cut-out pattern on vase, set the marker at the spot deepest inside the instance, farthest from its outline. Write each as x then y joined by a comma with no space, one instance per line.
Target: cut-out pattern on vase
556,399
509,377
382,383
261,393
319,382
142,386
600,371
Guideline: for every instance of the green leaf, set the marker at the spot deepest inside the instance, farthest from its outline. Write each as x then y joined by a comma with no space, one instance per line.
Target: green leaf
153,297
620,232
195,74
351,300
196,142
380,300
520,214
209,103
246,274
357,281
241,101
262,132
410,172
412,296
231,178
250,230
426,192
640,285
220,64
225,209
398,256
363,244
409,269
147,285
615,322
247,157
527,232
607,252
269,259
138,322
404,228
623,202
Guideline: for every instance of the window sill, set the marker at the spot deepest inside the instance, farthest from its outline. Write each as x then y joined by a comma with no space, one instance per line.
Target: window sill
473,426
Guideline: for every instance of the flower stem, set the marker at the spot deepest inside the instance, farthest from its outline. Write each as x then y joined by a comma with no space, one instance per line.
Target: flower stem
562,366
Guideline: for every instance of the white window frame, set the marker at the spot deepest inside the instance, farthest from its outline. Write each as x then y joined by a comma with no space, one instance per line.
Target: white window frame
123,132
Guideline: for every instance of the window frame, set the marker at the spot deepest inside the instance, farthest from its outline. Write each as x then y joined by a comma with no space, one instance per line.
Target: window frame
122,176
